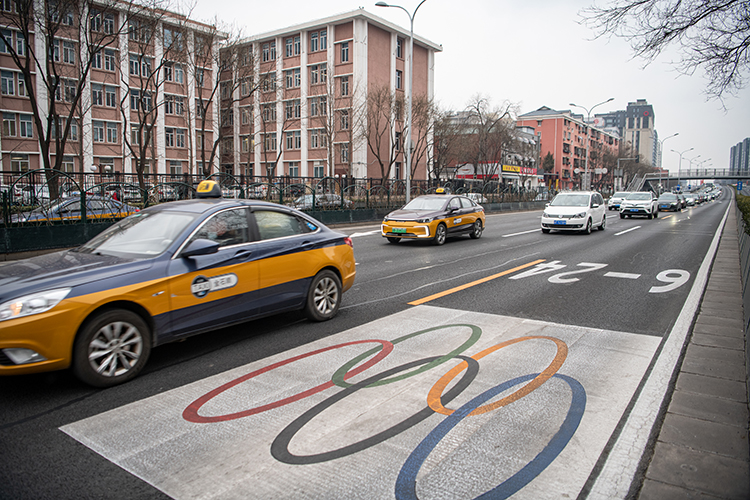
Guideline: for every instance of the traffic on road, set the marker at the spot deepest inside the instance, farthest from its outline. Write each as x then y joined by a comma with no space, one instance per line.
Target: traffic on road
503,367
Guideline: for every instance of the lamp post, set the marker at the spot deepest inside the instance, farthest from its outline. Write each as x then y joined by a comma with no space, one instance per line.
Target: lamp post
588,140
408,105
661,152
679,166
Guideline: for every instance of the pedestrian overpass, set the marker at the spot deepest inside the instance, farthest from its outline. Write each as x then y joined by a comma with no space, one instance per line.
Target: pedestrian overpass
691,178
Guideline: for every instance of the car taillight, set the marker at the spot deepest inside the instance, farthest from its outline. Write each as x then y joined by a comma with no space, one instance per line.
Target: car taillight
349,242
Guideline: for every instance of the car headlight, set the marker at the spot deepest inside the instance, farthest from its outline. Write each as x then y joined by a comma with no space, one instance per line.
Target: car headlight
423,221
579,215
546,215
32,304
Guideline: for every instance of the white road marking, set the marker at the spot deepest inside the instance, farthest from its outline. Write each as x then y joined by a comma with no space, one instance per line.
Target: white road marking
627,230
627,276
524,232
368,233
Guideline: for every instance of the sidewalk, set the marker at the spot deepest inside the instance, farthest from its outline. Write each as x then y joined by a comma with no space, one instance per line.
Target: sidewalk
702,448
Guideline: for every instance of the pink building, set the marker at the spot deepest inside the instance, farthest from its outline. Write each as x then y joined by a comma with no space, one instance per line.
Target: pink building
564,135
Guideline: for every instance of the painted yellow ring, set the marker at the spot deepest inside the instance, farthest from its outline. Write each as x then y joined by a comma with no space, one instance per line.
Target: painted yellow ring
436,392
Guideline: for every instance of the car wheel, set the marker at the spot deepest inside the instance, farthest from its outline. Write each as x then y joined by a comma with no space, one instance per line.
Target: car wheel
545,230
112,348
656,213
588,227
440,234
622,216
650,216
393,240
476,231
324,296
603,224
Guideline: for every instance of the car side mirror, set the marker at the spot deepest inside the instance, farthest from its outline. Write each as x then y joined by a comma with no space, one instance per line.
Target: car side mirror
595,205
200,247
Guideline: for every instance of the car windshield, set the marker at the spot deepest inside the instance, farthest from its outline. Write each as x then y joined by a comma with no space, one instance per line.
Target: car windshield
620,195
142,235
570,200
639,196
425,204
667,197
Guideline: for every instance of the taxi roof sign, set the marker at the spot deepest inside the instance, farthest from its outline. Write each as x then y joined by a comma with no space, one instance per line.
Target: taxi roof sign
441,191
208,189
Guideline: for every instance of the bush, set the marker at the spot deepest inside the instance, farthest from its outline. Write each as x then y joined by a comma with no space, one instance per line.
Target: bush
743,203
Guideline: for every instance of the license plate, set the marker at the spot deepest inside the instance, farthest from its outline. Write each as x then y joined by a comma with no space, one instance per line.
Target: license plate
399,230
633,209
559,222
664,206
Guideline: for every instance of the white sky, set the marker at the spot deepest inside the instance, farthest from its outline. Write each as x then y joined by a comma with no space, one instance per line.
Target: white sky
533,53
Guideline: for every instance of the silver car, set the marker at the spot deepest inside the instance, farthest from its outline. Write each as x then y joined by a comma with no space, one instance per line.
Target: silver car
575,211
614,201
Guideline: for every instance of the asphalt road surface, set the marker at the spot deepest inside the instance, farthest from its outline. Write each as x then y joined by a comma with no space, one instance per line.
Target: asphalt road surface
513,362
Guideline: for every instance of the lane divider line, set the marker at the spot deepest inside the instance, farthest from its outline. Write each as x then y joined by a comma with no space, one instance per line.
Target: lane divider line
517,234
627,276
627,230
473,283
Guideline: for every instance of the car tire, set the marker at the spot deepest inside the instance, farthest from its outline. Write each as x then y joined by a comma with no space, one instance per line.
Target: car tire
603,225
111,348
476,230
392,239
650,216
588,227
441,233
324,296
656,214
622,216
545,230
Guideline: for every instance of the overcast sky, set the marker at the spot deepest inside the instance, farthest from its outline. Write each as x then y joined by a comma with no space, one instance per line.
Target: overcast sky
533,53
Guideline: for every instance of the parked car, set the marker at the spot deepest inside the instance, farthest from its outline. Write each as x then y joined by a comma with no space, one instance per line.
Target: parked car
691,199
165,273
434,217
478,197
614,201
322,202
639,203
669,202
69,208
575,211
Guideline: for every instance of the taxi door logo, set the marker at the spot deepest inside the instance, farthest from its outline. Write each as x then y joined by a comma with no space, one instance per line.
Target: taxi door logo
202,286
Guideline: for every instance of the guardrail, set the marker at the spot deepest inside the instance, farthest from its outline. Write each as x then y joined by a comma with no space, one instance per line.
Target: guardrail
744,243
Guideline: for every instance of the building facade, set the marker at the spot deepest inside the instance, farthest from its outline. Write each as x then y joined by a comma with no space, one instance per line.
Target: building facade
120,85
636,127
308,104
564,135
739,157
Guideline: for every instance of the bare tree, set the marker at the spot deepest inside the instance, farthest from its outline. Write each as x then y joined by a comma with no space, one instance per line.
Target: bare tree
489,132
447,143
423,126
713,35
382,128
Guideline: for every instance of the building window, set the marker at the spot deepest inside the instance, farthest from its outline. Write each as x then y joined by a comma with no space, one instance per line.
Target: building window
269,112
293,140
345,52
169,137
269,82
318,139
318,106
69,52
174,105
269,142
318,74
179,73
344,119
293,78
108,23
345,153
318,170
9,125
8,83
97,94
96,60
400,48
135,134
175,167
245,143
246,115
344,85
109,60
70,88
397,142
98,131
110,94
7,36
112,132
292,46
399,79
314,42
180,137
293,168
19,163
293,109
200,111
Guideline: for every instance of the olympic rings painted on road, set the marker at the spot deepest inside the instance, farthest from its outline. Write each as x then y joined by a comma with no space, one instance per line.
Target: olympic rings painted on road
191,412
280,446
476,332
433,397
406,483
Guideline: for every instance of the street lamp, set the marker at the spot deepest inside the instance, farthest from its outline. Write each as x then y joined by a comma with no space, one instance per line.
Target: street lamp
679,166
588,140
661,152
411,78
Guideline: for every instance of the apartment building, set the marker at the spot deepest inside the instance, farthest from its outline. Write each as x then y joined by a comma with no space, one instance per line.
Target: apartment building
302,101
565,135
636,126
117,88
739,157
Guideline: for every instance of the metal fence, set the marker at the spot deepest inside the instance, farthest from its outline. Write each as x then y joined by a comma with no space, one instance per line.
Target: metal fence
744,244
35,197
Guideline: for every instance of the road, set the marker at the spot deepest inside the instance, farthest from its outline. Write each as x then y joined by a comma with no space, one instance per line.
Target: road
558,332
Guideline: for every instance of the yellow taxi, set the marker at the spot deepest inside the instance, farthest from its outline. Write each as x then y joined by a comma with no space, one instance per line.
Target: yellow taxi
435,217
162,274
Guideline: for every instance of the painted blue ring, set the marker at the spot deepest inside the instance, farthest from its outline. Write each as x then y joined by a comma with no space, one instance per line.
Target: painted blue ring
406,484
